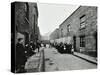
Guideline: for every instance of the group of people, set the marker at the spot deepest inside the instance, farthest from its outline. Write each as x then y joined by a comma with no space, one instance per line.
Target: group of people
23,52
63,47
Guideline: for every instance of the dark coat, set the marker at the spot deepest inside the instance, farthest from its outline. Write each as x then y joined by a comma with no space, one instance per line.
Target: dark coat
20,55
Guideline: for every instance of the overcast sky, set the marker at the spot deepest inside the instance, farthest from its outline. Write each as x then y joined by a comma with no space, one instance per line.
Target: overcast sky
52,15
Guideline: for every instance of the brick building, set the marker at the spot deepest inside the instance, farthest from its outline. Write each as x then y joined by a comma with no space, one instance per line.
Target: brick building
33,20
26,21
54,34
81,26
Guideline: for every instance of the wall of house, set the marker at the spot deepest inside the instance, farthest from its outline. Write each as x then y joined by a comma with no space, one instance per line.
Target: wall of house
89,30
26,20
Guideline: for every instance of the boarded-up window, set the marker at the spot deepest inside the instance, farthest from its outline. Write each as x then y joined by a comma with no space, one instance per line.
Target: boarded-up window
68,28
82,22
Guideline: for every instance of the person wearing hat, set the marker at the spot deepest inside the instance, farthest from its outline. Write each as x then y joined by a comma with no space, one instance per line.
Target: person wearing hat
20,56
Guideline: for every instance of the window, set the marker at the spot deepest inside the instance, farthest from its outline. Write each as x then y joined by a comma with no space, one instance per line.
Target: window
26,10
61,32
68,28
34,24
82,21
25,7
82,41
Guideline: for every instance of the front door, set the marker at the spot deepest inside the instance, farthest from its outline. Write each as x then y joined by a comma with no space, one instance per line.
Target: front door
74,42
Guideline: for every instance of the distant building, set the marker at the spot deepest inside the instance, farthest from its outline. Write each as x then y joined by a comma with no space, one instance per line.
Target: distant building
54,35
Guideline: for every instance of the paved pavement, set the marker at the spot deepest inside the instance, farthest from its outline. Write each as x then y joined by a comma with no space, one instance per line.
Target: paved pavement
86,57
35,62
55,61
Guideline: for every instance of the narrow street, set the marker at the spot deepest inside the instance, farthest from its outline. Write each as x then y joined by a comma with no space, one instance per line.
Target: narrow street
39,29
55,61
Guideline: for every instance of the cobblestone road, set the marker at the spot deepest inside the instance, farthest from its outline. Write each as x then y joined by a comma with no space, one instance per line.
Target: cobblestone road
55,61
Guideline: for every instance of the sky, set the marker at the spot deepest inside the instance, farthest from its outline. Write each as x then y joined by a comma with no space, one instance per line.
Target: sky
52,15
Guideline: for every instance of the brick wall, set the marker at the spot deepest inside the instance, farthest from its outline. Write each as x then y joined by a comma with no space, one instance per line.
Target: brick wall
26,20
55,34
89,30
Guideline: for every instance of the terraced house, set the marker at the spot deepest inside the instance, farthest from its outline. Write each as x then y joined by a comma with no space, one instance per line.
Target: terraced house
81,26
26,21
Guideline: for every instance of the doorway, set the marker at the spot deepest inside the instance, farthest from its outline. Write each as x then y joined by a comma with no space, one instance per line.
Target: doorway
74,42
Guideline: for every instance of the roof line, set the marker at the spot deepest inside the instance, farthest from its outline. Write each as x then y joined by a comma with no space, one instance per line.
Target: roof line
69,15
